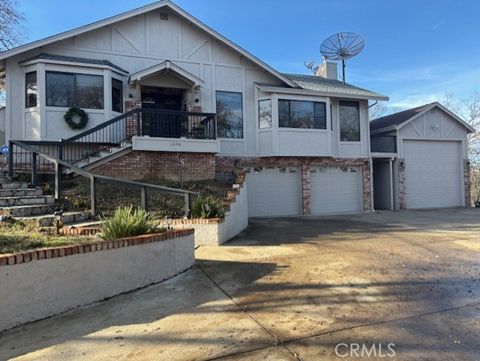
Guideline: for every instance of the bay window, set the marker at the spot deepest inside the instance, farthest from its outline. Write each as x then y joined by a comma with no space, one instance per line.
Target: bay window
302,114
265,114
31,89
68,90
229,115
117,95
349,121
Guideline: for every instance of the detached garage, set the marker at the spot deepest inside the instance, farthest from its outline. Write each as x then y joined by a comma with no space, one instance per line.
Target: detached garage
428,171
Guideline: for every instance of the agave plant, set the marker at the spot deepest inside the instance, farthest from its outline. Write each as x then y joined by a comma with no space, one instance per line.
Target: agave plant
128,222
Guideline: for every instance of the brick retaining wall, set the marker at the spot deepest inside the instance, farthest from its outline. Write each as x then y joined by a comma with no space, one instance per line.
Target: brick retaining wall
139,165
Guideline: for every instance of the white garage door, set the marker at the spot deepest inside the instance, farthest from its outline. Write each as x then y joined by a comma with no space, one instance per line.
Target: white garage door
432,174
274,191
336,190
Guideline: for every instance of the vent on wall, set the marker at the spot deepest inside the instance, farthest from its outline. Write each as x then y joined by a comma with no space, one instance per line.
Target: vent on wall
163,16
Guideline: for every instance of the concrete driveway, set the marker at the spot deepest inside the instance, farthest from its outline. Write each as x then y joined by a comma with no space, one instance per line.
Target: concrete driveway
293,289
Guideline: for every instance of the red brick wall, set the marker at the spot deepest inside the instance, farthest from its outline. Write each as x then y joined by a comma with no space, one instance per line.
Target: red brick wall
132,121
226,167
139,165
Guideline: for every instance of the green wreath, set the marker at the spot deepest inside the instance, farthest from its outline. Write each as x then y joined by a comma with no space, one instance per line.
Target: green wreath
75,111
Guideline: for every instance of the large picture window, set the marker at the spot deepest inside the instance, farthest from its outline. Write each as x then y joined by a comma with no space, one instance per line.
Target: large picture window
31,89
81,90
117,95
264,113
229,115
349,121
302,114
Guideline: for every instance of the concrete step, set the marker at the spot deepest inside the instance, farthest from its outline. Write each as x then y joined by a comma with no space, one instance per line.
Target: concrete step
26,211
25,201
23,192
14,185
48,220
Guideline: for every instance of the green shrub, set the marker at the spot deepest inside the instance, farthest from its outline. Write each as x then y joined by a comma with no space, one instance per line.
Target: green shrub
207,207
128,222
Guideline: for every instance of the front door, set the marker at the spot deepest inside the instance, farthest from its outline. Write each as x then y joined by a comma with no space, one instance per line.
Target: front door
162,124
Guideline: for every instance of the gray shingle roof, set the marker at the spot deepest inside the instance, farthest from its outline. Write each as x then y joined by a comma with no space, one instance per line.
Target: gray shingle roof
397,119
332,86
73,59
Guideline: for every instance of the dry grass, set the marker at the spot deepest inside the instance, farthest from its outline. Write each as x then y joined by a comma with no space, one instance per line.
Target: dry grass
112,196
16,236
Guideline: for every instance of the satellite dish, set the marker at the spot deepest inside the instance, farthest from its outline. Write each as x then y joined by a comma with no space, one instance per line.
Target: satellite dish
342,46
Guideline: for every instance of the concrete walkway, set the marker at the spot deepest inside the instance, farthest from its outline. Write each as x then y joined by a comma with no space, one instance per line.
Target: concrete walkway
293,289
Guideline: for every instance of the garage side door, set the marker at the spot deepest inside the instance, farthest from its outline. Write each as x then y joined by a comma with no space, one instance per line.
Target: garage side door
336,190
432,174
274,192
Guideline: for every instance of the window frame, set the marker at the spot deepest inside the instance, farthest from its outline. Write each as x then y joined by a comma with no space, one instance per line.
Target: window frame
271,113
75,102
340,122
242,138
122,106
26,89
324,102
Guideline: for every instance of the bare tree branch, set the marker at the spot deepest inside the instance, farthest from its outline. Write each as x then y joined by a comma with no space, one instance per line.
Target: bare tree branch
469,110
11,24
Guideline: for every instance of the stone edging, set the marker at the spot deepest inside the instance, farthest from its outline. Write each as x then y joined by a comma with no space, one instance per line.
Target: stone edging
64,251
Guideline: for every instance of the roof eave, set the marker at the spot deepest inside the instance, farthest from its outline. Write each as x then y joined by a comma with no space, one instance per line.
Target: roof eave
275,89
166,65
82,29
445,109
384,130
113,68
164,3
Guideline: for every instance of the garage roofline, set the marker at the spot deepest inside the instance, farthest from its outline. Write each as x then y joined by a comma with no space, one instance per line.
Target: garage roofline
396,127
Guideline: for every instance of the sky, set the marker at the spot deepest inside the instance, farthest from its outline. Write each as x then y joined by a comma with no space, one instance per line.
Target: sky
416,51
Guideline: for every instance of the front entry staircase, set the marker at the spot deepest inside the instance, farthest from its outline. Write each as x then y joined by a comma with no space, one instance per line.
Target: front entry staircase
106,155
78,155
30,205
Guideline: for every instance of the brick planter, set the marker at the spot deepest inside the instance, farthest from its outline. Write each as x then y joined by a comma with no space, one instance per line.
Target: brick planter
44,282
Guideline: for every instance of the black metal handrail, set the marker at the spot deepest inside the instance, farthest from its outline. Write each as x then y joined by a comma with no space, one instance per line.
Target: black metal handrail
120,130
383,144
59,164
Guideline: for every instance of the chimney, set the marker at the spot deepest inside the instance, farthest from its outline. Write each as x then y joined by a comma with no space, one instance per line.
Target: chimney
327,70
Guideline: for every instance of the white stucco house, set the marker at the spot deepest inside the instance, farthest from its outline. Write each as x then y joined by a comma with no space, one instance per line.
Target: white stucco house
163,91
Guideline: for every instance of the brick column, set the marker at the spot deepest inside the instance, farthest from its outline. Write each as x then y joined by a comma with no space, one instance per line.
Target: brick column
305,170
402,195
467,182
367,186
132,120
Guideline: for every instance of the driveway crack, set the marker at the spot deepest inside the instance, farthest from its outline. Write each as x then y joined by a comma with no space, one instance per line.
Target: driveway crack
238,305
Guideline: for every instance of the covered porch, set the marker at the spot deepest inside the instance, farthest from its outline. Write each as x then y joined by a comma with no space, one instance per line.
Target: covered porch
171,116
